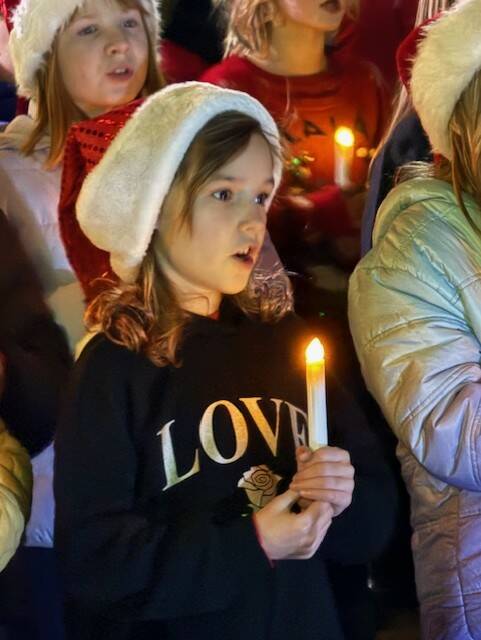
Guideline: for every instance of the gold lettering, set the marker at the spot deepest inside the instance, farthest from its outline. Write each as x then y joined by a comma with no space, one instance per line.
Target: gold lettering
170,465
298,426
259,418
206,432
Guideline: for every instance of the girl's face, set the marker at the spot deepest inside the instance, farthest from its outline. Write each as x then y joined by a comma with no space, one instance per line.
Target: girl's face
322,15
217,254
103,56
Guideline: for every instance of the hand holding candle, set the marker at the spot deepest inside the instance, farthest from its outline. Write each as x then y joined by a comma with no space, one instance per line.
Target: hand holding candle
316,395
343,156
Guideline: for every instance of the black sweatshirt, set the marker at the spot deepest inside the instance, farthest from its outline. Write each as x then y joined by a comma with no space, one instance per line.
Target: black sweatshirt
154,534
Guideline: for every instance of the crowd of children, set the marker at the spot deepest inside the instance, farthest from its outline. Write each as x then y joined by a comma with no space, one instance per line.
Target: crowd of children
164,484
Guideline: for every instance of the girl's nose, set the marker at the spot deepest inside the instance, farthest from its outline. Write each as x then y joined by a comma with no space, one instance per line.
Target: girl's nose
117,42
254,218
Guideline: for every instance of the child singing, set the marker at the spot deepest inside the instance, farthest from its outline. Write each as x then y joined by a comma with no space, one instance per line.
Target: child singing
178,492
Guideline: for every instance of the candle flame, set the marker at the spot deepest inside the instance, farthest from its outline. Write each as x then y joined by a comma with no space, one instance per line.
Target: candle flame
344,137
315,352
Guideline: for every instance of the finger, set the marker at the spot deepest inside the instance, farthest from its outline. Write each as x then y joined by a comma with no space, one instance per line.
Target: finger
329,454
338,498
324,470
340,483
303,455
283,502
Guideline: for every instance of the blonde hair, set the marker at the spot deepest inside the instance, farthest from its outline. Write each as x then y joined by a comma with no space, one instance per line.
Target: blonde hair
55,109
402,104
146,316
249,24
463,172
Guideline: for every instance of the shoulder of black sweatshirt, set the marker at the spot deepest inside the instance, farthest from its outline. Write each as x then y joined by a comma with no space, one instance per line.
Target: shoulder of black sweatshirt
157,471
35,347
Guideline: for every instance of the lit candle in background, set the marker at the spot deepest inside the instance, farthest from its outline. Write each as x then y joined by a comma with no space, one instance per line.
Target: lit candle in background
343,155
316,395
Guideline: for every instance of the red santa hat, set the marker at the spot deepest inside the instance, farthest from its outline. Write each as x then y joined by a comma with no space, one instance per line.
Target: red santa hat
7,7
87,142
35,25
448,56
407,51
119,203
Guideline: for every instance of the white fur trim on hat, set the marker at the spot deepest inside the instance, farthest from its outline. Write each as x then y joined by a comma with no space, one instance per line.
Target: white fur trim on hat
120,201
35,25
446,61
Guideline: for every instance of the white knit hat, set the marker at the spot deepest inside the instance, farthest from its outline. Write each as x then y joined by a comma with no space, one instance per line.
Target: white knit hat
35,25
447,59
119,204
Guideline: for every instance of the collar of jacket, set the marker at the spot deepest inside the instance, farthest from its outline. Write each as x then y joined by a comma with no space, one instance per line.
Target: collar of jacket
430,193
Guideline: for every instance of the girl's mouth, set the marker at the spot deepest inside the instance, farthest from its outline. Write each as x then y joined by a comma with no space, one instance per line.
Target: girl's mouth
246,256
121,73
332,6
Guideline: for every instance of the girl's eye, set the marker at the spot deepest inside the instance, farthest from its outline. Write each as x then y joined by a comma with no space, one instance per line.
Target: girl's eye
87,31
131,23
262,199
224,195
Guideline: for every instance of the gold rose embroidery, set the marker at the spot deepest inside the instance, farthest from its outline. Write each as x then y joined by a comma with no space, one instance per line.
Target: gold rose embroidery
260,484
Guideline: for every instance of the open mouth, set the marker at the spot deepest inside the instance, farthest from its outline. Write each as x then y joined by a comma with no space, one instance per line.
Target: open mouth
333,6
121,73
246,256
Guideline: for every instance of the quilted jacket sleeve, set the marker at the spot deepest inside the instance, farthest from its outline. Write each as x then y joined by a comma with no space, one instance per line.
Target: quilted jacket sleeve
415,319
15,493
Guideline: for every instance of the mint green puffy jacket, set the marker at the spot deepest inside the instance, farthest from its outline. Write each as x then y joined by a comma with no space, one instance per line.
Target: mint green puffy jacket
415,315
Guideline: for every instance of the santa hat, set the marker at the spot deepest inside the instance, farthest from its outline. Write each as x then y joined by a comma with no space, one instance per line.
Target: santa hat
6,8
120,201
86,143
35,25
448,56
407,51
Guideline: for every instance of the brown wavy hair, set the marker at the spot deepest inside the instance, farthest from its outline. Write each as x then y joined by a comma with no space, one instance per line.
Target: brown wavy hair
249,24
55,109
145,316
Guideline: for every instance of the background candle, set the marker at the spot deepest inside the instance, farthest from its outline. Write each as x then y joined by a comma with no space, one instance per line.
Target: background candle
316,395
344,153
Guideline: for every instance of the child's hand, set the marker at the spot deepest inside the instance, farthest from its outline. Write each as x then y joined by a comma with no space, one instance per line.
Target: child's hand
292,536
325,475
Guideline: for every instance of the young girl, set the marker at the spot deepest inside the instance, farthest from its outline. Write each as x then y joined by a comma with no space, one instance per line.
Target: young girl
184,413
71,59
415,316
276,50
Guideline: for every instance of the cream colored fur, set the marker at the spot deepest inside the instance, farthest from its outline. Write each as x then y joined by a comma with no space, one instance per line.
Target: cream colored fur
446,61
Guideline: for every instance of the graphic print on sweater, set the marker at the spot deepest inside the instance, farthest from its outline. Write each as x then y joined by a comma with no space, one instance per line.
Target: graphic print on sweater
238,415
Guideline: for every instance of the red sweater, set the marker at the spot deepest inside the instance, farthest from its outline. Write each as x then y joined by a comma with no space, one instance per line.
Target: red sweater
308,110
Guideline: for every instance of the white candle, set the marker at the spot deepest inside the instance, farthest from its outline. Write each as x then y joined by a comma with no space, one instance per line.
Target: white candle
343,156
316,395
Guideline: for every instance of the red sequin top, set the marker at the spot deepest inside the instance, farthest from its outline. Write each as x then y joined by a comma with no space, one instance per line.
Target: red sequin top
86,144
